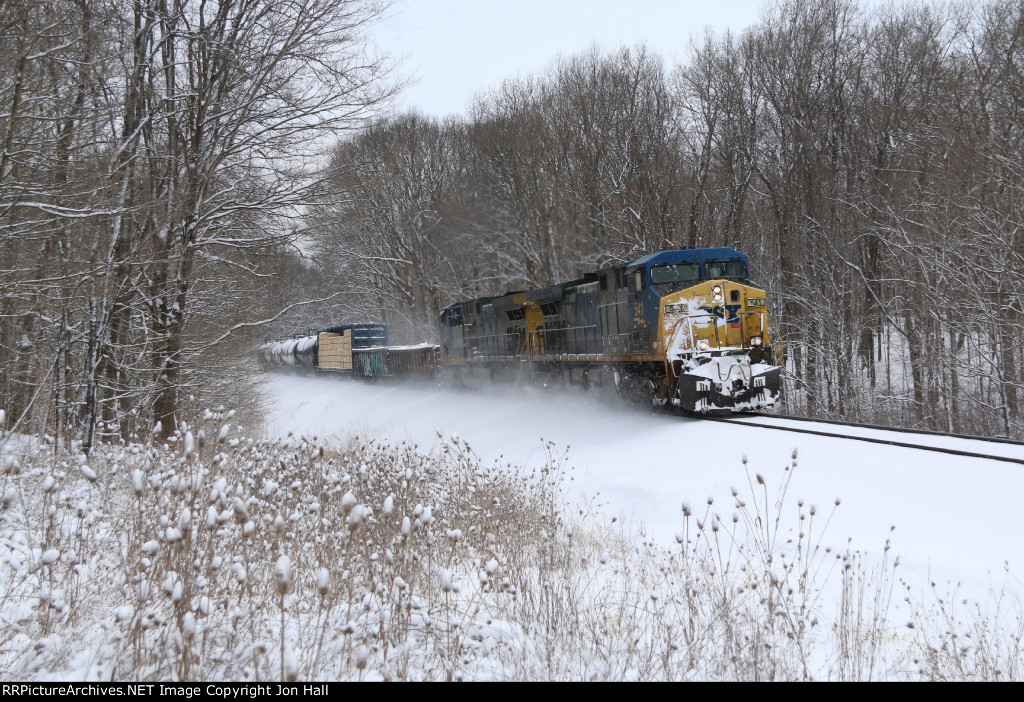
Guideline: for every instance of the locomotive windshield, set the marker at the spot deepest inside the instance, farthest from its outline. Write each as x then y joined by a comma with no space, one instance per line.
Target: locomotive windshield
736,270
675,273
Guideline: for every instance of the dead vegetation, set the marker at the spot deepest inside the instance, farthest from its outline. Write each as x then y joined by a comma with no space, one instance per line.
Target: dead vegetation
212,556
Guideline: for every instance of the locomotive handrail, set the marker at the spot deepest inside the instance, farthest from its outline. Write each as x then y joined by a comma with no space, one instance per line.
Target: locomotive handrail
497,345
593,342
487,340
517,345
731,369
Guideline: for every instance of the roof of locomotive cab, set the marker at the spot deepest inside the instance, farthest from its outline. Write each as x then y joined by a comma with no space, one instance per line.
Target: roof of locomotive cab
720,253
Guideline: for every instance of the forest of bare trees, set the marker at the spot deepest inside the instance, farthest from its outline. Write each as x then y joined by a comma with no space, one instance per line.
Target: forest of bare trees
154,155
869,161
179,179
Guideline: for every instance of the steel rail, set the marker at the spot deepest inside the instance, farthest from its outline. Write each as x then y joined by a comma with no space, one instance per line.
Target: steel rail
870,439
902,430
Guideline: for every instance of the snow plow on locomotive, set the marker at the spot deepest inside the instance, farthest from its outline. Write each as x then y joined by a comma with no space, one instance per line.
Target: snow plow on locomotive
681,328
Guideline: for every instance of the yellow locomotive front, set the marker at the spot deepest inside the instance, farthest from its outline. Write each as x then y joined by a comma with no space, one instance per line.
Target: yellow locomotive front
717,343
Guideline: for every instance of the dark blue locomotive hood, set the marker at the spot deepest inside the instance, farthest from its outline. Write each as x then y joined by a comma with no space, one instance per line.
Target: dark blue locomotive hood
720,253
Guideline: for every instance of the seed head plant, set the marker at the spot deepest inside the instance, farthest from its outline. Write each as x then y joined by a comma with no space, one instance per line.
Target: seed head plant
241,558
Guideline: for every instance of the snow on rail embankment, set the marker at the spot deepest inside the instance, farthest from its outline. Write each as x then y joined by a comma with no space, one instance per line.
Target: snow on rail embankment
956,518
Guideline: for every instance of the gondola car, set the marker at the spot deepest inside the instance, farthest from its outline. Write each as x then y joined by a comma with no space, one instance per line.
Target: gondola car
685,328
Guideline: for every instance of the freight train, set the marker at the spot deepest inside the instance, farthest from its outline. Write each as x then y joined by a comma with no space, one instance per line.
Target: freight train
684,329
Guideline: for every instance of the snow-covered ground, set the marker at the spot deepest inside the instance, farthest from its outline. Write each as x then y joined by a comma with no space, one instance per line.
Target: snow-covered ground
957,519
376,561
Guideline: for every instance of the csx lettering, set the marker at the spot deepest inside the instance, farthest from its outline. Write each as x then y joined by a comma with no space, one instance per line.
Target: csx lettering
638,314
718,312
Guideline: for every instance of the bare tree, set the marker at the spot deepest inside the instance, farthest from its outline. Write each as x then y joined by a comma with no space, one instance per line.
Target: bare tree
383,228
155,155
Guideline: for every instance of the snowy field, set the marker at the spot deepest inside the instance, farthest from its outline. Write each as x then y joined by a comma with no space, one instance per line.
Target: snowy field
702,550
957,520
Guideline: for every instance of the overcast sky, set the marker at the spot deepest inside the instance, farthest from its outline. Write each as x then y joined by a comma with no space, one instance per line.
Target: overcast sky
459,47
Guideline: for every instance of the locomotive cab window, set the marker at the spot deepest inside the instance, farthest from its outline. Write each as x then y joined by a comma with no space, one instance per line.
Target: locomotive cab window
733,270
455,317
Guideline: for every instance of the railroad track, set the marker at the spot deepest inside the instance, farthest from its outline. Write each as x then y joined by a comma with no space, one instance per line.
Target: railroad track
778,423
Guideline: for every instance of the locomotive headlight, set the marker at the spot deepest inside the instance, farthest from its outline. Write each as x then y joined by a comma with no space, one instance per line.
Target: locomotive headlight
756,341
703,345
716,293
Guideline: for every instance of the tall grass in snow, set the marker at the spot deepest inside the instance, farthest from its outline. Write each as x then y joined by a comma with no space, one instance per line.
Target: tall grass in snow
216,556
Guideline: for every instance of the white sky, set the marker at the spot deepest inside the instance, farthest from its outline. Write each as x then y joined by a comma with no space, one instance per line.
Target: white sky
457,48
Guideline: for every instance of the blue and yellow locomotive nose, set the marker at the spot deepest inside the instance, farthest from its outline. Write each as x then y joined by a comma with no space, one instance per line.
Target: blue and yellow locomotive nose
715,337
714,315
